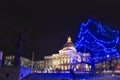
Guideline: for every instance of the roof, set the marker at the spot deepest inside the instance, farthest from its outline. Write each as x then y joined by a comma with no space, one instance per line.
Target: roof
68,43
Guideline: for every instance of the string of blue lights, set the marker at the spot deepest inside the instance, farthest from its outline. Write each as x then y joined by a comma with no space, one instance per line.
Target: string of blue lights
98,39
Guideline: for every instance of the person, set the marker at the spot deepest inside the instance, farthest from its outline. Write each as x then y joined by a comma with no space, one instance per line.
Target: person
73,74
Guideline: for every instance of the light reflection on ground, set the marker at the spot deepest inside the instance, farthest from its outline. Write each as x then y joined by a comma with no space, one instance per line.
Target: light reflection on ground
78,76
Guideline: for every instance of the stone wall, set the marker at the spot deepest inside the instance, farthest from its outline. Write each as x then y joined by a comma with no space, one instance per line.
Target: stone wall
9,73
13,72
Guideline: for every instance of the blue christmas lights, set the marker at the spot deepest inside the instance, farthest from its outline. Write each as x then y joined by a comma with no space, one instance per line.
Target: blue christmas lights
98,39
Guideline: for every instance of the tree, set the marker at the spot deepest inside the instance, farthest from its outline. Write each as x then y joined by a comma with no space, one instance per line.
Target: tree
99,40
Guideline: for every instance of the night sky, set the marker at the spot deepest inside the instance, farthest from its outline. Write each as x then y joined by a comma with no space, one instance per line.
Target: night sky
48,23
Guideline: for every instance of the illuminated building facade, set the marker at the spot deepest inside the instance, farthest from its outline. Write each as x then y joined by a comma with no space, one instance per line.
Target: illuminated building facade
24,61
67,58
37,65
8,61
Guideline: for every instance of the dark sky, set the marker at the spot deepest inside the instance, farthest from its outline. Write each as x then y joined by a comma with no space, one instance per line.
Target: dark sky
48,23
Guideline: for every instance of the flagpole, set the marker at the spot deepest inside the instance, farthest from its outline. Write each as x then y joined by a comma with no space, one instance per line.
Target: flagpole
32,61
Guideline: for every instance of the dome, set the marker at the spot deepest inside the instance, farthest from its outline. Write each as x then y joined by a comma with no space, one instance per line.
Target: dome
69,45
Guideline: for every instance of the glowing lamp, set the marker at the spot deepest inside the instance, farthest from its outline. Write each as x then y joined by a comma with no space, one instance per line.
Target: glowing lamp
118,67
108,55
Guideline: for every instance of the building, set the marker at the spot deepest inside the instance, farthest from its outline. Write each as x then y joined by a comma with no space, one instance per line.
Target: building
24,61
34,65
10,72
38,66
67,58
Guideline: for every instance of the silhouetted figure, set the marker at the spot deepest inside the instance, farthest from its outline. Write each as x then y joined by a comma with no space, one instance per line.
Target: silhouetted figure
73,74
